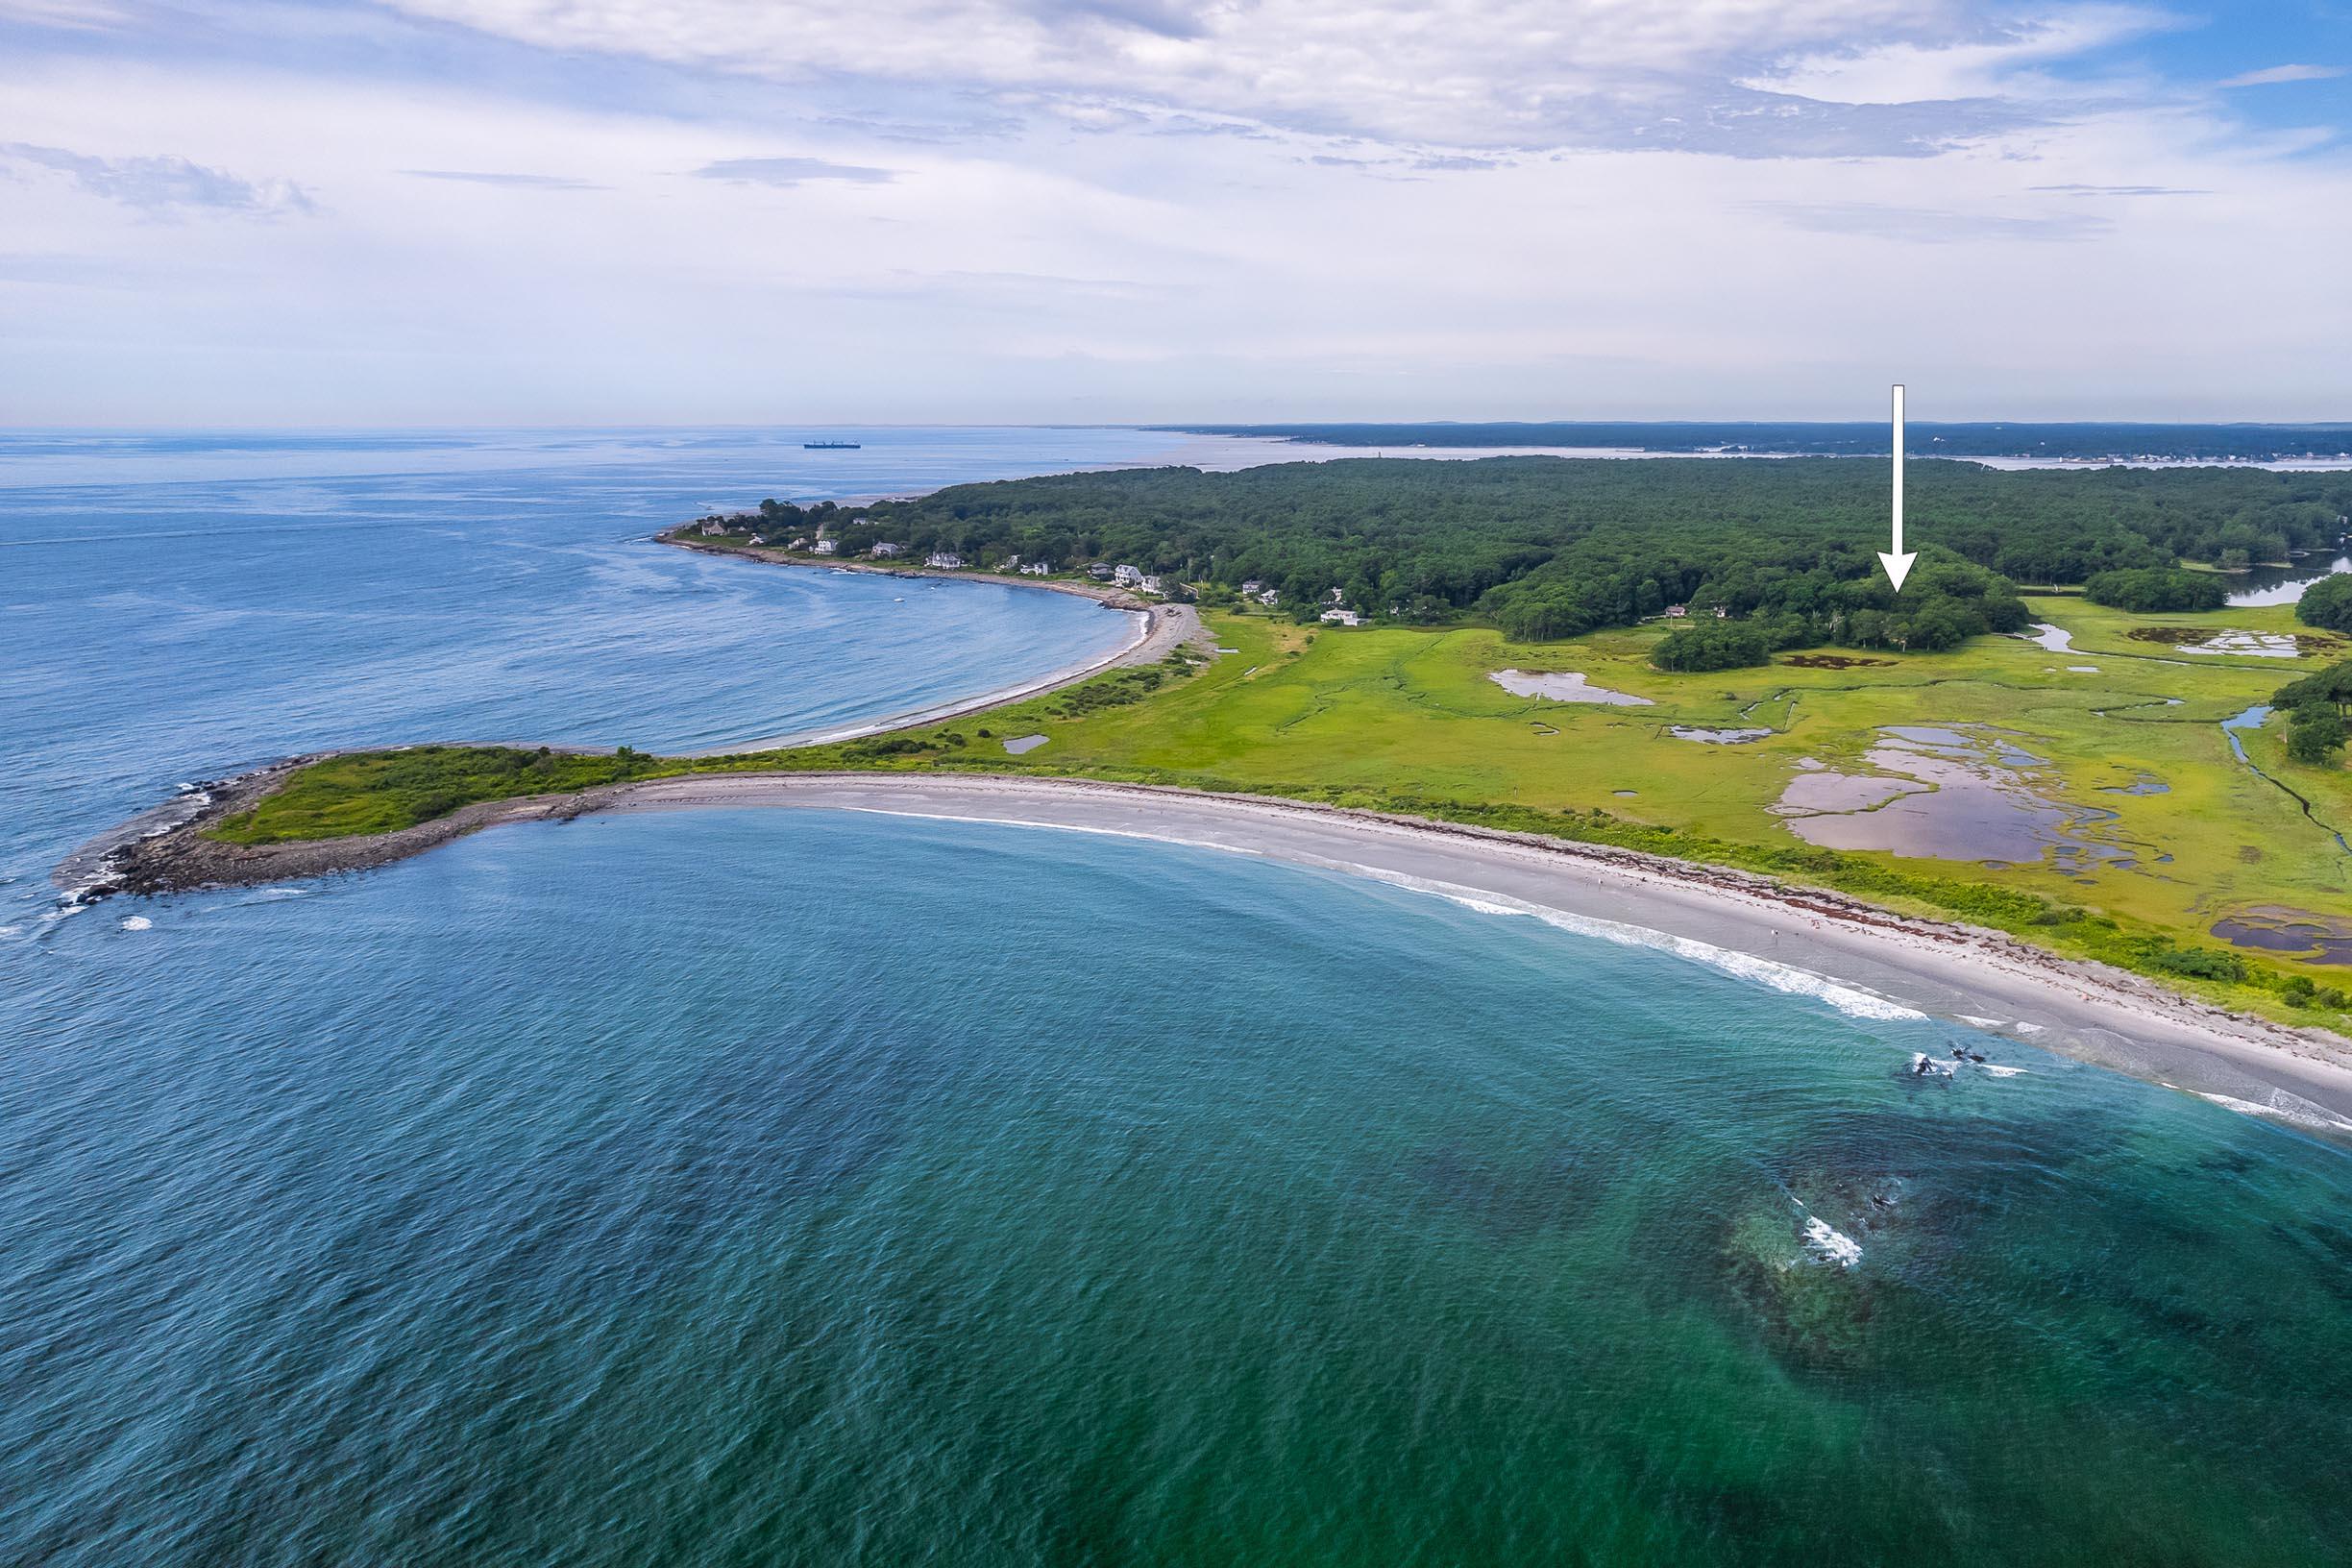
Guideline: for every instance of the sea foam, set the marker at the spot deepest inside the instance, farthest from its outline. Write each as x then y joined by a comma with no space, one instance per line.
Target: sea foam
1851,1000
1787,978
1831,1244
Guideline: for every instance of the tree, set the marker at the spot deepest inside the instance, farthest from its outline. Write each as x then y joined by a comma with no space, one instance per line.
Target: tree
2327,603
2314,735
2144,590
2332,687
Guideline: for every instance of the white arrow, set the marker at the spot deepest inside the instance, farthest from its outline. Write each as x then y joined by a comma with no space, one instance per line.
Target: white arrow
1897,561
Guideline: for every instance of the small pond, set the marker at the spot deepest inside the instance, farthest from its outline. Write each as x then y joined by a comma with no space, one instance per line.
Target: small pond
1563,686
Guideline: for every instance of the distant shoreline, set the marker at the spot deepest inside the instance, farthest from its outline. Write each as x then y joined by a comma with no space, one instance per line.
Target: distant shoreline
1161,629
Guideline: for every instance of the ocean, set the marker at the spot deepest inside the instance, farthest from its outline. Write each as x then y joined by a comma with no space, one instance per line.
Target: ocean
782,1187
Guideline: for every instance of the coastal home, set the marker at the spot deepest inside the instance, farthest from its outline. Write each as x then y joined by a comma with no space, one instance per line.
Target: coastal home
715,526
945,560
1126,576
1099,572
1036,569
827,547
883,551
1149,583
1011,563
759,539
1252,588
1270,597
800,543
1343,618
1675,612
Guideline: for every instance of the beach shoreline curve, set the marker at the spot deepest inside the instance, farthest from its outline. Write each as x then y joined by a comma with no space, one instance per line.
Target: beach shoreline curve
1794,937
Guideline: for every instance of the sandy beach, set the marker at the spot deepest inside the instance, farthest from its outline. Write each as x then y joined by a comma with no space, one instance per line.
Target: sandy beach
1159,629
1851,955
1857,957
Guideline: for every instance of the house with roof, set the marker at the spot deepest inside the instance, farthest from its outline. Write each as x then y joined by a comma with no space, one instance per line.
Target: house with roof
944,560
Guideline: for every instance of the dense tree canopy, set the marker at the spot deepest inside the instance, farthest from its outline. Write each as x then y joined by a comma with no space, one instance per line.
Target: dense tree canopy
2146,589
1549,546
2327,603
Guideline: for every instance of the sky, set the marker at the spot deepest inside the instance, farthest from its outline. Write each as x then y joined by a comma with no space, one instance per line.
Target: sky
463,212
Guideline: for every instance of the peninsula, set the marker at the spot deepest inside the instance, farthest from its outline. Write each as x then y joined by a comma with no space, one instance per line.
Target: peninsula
1982,799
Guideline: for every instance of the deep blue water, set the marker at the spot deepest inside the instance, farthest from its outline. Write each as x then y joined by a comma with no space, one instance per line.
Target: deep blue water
804,1188
183,606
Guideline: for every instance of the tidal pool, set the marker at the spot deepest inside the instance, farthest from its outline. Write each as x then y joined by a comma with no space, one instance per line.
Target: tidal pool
2057,639
1563,686
1946,794
2259,644
2274,928
1716,737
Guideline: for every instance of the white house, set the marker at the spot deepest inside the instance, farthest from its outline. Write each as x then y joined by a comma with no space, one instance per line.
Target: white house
1127,576
1011,563
715,526
802,543
1675,612
1250,589
827,547
883,551
945,560
1343,618
1036,569
1270,597
1148,583
759,539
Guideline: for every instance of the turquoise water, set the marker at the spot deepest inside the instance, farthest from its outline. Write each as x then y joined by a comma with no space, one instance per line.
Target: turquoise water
769,1186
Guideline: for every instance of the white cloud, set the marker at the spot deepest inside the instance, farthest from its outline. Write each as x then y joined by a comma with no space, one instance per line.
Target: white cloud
1993,67
159,184
480,255
1452,72
793,171
2283,73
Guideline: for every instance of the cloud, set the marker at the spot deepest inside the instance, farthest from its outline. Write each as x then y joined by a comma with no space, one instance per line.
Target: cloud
513,182
1433,76
1932,225
2283,73
792,171
164,185
1246,232
2117,190
1911,72
87,15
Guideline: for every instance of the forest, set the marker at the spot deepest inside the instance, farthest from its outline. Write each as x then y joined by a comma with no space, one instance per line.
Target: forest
2087,441
1546,548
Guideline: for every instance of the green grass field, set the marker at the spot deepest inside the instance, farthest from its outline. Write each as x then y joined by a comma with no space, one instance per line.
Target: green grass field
1409,719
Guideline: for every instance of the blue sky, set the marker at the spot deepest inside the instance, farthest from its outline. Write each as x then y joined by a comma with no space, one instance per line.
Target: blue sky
517,211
